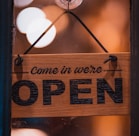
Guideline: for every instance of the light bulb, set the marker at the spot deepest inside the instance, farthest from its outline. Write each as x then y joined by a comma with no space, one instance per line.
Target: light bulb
68,4
26,16
22,3
35,30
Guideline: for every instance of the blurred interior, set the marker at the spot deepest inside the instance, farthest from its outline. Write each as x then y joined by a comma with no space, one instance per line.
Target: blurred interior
109,20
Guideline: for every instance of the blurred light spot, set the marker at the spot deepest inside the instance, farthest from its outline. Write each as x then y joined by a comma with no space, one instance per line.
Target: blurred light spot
36,28
52,13
26,16
27,132
22,3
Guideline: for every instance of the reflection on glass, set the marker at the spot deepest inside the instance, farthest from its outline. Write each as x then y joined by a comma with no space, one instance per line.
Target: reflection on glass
73,126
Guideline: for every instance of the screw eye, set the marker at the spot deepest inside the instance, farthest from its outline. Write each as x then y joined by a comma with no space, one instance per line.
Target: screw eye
68,4
18,61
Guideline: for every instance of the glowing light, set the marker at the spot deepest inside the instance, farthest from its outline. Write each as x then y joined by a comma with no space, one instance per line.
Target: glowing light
35,30
26,16
27,132
71,4
22,3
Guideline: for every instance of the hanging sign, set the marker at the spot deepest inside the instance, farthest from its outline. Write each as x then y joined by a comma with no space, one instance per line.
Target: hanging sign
58,85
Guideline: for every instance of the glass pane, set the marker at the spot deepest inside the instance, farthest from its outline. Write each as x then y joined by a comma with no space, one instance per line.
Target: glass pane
83,28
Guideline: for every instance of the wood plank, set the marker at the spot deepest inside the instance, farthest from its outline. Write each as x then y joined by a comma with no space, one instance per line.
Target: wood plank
57,85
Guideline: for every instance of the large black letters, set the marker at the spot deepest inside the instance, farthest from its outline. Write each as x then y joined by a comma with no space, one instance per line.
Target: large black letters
47,92
33,93
102,86
74,90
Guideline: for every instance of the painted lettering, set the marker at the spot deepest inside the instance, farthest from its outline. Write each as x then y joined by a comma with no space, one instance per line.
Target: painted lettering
47,92
33,92
36,70
86,70
103,86
74,91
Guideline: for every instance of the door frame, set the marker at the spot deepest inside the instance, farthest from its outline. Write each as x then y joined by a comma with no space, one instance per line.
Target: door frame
134,72
5,66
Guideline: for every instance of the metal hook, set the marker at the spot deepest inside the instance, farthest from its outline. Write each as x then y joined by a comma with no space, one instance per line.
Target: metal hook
18,61
68,4
111,58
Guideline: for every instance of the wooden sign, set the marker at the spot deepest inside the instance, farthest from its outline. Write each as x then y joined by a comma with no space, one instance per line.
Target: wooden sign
58,85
